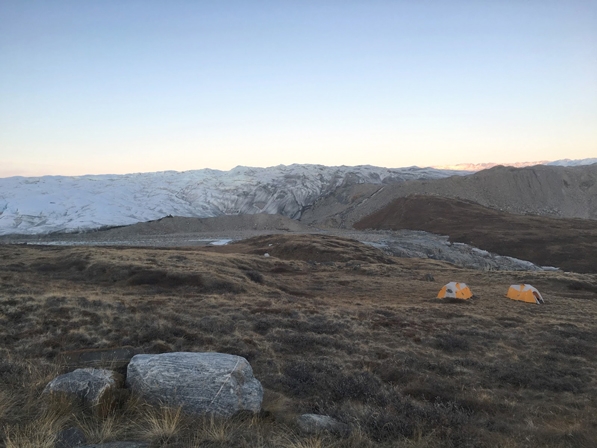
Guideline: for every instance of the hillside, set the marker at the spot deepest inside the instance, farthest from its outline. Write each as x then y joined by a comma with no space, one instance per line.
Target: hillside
553,191
355,335
570,244
48,204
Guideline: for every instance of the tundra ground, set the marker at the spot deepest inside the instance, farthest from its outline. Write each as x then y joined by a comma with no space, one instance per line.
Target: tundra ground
329,326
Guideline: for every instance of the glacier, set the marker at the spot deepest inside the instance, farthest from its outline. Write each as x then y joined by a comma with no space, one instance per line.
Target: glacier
47,204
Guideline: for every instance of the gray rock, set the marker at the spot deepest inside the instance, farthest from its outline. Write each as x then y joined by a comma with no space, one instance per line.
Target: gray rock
201,383
70,438
314,423
119,445
112,358
419,244
96,389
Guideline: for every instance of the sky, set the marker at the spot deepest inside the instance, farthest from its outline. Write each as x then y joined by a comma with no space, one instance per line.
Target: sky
95,87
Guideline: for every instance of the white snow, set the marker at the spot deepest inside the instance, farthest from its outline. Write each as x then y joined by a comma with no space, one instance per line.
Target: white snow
570,162
48,204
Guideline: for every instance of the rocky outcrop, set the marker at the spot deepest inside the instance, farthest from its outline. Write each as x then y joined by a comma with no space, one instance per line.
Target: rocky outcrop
201,383
314,423
418,244
96,389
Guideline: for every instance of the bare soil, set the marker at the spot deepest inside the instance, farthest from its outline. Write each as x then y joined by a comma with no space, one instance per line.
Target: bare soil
329,325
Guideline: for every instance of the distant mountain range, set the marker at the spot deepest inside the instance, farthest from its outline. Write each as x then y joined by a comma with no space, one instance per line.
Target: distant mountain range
484,166
34,205
312,193
553,191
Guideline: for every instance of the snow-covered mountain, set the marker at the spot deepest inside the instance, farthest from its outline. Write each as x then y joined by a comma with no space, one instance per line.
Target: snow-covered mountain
34,205
570,162
474,167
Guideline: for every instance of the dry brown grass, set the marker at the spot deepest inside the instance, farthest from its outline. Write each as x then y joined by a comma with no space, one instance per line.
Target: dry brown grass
101,429
163,423
361,340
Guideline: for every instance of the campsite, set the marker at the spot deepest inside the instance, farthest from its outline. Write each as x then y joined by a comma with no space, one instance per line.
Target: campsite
331,327
288,224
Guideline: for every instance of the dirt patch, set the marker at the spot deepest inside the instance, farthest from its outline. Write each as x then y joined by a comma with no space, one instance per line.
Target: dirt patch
315,248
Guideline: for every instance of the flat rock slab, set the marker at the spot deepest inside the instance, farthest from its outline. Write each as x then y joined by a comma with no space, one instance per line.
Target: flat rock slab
94,388
112,358
201,383
315,423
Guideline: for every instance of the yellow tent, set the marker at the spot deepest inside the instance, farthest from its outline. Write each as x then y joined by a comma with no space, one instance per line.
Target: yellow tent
524,293
455,290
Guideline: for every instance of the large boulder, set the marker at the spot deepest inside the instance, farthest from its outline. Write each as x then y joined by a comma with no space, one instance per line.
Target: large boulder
201,383
96,389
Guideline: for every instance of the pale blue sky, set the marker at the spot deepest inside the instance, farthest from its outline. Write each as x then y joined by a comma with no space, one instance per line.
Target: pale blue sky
129,86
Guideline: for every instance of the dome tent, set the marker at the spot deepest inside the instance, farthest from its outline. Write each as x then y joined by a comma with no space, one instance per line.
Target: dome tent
455,290
525,293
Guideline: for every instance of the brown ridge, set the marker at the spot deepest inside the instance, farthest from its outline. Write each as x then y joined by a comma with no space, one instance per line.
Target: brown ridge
570,244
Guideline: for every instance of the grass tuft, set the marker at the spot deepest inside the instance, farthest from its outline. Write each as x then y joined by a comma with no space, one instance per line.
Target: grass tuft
161,424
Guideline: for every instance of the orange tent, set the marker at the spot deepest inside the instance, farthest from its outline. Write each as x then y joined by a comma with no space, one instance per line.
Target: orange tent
455,290
525,293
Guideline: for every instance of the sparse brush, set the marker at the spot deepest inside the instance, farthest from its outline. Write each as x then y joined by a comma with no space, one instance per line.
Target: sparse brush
311,442
99,430
215,429
162,424
40,433
7,402
28,436
56,403
38,375
368,347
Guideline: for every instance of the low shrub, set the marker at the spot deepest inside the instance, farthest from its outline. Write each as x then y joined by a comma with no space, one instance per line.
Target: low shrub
450,343
255,276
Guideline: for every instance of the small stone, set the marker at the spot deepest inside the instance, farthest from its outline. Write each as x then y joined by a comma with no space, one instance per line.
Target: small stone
428,278
314,423
70,438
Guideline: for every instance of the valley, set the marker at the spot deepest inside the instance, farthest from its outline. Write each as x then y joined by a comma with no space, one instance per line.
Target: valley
335,310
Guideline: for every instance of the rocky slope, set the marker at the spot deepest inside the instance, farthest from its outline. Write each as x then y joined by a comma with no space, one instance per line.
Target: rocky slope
570,244
553,191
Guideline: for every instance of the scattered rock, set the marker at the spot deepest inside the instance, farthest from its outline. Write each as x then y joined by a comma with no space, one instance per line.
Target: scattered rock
201,383
96,389
266,254
314,423
70,438
428,278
